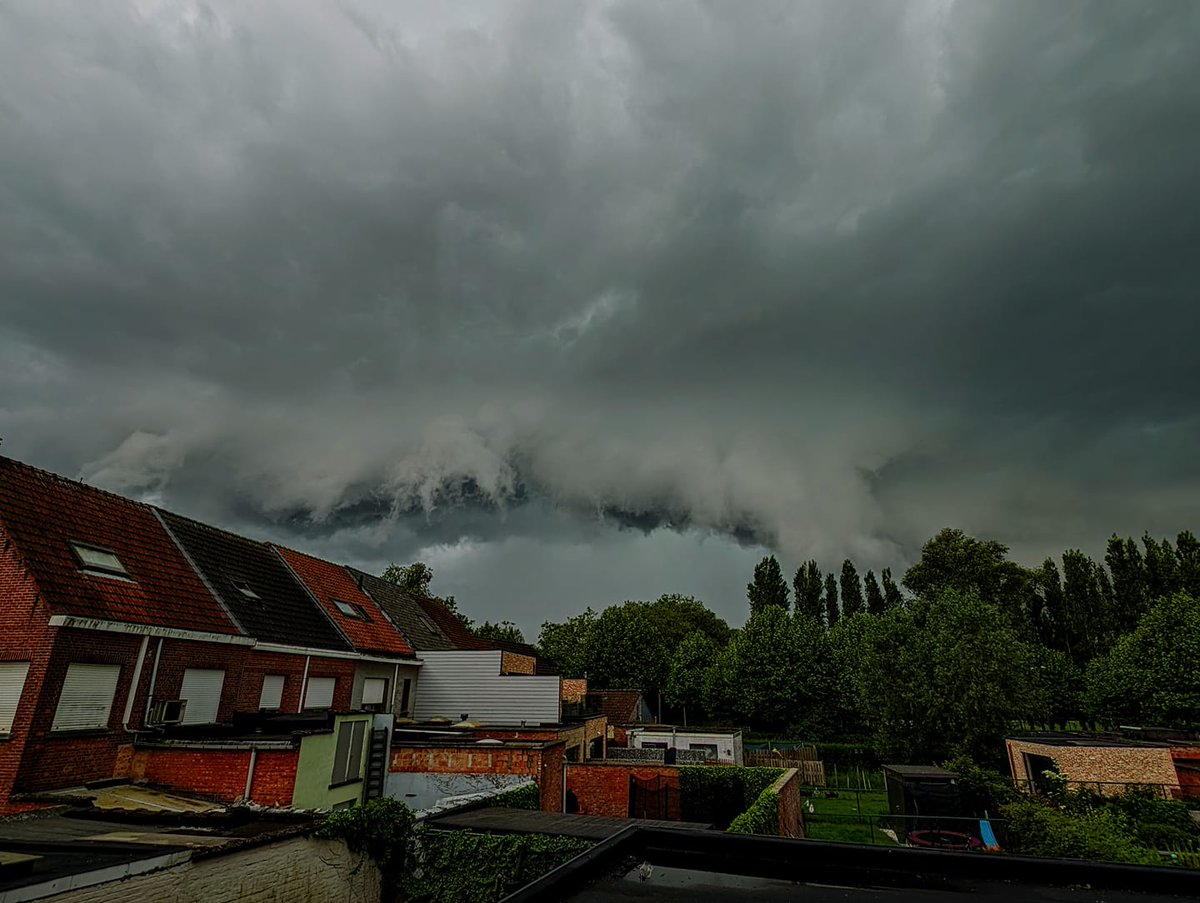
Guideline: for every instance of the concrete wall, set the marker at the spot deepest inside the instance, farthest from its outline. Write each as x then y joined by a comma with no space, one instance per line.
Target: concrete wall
290,871
454,683
315,768
1106,765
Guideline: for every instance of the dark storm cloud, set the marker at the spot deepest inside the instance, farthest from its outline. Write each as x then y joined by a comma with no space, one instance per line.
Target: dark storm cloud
829,275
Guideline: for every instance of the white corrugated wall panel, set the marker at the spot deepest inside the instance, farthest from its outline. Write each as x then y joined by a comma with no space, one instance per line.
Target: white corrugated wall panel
462,682
12,682
87,697
202,690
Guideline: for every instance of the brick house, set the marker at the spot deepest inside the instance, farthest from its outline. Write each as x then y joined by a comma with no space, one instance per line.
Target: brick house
1105,763
138,644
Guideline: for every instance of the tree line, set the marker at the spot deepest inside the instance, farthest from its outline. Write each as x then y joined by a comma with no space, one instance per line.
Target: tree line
969,645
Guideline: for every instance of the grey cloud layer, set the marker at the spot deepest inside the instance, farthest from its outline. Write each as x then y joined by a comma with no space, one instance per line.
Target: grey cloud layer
828,274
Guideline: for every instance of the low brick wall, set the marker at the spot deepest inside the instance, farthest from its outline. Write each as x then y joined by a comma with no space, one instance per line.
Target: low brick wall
603,788
290,871
791,803
220,774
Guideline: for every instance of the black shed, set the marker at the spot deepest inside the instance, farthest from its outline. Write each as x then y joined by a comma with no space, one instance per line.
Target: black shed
922,790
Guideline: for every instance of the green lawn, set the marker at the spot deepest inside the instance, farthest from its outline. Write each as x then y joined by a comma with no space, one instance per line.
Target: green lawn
846,818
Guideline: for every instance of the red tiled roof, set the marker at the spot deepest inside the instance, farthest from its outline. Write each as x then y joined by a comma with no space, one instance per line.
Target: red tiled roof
450,625
327,582
43,514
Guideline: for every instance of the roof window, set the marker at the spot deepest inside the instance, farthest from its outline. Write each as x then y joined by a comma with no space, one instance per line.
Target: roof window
350,610
244,588
98,560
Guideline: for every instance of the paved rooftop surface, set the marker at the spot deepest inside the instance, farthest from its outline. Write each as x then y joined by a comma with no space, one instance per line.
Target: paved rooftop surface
525,821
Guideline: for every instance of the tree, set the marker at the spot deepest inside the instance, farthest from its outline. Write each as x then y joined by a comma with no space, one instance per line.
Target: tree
689,670
1128,569
1187,552
1162,568
831,600
875,601
769,674
768,586
892,597
952,560
1150,676
852,596
944,676
413,578
808,585
505,631
567,645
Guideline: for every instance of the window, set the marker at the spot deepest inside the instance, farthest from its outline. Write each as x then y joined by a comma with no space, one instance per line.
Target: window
100,561
87,697
405,695
374,691
654,745
12,682
272,692
244,588
202,690
350,611
319,694
709,749
348,755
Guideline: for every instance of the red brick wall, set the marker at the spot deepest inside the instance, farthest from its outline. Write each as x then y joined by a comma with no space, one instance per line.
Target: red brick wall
791,812
220,773
24,636
604,789
543,765
1189,778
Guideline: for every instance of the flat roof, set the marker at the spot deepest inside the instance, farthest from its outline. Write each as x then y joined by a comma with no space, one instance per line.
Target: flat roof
498,820
921,771
678,729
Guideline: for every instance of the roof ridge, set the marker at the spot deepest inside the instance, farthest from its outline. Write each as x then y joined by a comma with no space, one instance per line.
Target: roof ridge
72,482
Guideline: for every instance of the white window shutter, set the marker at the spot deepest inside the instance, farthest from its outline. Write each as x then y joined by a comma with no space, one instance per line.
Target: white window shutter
87,697
12,682
374,689
202,690
272,692
319,694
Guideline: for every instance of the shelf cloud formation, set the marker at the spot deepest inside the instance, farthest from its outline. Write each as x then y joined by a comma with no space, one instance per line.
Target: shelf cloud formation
584,301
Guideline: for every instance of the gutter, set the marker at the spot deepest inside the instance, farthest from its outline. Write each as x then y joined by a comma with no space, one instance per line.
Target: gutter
174,633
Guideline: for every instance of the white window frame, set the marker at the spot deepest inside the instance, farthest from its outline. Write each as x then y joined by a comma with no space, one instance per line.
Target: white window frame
325,689
349,609
271,696
88,689
99,562
203,700
12,685
380,687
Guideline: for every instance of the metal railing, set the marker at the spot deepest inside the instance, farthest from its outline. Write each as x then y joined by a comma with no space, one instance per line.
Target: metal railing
929,831
1039,786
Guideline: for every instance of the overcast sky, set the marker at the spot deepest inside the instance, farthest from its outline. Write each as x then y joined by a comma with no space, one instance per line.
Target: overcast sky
581,302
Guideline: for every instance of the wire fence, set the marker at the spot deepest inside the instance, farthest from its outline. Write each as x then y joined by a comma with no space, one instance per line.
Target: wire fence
1039,786
928,831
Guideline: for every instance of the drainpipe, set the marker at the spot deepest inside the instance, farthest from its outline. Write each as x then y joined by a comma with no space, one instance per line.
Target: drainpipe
395,683
137,679
250,772
153,676
303,685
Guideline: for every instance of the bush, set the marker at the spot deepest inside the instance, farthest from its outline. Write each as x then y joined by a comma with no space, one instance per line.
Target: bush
381,829
526,797
1100,835
761,818
717,795
458,867
982,790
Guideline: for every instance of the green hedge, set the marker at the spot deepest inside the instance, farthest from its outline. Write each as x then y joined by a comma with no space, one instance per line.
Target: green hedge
527,797
761,818
717,795
1037,829
458,867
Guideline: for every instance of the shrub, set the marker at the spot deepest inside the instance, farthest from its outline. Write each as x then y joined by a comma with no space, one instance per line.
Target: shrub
1098,834
458,867
717,795
761,818
982,790
526,797
381,829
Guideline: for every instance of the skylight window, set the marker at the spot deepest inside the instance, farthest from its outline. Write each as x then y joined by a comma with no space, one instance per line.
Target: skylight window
244,588
350,611
99,560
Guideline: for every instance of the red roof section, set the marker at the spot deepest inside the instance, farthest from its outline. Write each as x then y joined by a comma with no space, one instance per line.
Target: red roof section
44,514
620,706
327,582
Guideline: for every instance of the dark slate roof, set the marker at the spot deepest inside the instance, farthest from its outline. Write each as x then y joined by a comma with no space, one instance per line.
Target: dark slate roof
331,583
284,612
404,610
43,514
449,624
